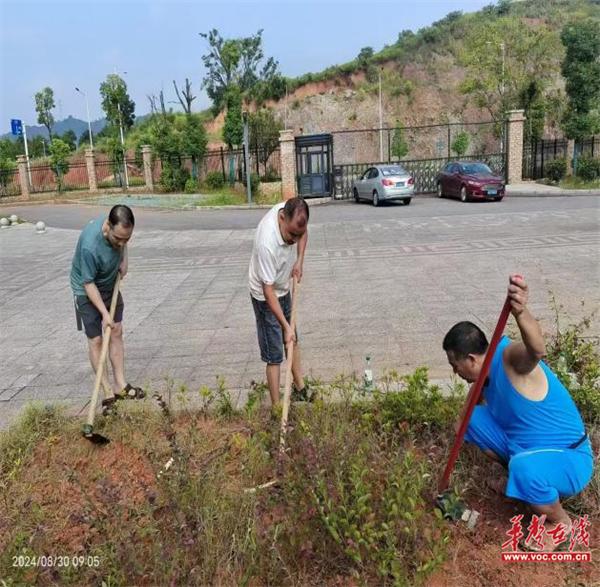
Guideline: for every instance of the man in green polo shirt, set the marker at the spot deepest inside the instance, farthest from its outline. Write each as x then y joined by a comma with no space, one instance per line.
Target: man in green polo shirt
100,254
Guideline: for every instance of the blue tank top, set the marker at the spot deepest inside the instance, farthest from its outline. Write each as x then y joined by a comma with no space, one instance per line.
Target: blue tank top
553,422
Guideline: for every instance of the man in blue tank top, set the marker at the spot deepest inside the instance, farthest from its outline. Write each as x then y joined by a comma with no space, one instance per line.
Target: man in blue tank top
528,421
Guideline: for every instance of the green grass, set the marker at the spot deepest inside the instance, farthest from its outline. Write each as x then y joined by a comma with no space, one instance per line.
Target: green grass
576,183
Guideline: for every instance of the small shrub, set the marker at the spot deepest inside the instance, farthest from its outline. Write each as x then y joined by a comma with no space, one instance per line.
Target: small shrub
588,168
255,183
576,361
461,143
191,186
556,169
214,180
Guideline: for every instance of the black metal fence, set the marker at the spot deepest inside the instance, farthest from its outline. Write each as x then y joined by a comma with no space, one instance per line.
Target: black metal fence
9,183
538,154
424,171
433,141
589,147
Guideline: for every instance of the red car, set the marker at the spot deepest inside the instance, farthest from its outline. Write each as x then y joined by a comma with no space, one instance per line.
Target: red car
470,180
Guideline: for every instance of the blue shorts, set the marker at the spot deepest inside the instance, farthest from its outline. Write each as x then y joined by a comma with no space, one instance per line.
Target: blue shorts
537,476
270,334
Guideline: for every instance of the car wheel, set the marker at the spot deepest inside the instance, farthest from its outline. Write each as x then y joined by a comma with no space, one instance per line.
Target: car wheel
463,194
356,198
499,199
375,199
406,201
440,191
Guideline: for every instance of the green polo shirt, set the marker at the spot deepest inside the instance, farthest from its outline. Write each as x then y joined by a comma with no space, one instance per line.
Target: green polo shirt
94,261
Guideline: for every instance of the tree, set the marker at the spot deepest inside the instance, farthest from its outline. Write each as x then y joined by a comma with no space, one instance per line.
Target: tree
117,105
581,70
264,130
460,144
59,160
235,62
399,147
84,138
186,97
497,78
44,103
233,127
70,139
364,56
37,147
194,141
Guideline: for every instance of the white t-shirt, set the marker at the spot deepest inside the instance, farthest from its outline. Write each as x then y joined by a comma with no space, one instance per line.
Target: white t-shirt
272,258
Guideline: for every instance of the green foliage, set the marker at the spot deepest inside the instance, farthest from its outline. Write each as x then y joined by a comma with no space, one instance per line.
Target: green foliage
264,129
254,183
214,180
399,146
44,103
581,70
531,53
575,359
556,169
193,141
233,127
69,138
59,160
588,168
415,403
460,145
172,177
238,63
191,186
117,105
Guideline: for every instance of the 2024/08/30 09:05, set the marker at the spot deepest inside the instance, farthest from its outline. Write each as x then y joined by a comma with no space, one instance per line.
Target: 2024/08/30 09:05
56,561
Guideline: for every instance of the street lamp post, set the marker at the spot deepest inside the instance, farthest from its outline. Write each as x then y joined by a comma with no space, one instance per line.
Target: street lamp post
502,46
380,120
87,109
122,139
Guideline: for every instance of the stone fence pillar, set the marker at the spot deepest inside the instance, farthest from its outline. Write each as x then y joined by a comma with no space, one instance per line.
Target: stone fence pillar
147,158
90,162
514,145
23,176
288,164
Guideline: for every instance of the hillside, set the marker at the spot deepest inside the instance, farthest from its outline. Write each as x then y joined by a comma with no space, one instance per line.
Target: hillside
422,73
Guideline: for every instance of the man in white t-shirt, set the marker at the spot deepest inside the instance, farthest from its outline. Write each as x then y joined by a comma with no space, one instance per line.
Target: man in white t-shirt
277,256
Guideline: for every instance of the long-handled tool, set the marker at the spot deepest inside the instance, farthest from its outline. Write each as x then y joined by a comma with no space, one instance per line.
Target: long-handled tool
287,391
88,427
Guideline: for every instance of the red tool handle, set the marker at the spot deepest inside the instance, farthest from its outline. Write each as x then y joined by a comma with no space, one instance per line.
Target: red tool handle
474,394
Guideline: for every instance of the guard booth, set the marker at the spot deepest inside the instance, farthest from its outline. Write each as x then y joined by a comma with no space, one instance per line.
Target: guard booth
314,165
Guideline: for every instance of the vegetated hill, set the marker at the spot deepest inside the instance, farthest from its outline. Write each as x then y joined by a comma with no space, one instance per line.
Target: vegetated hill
421,77
77,125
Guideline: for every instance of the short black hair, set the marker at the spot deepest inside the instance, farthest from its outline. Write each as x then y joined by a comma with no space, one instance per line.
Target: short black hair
121,214
296,206
464,339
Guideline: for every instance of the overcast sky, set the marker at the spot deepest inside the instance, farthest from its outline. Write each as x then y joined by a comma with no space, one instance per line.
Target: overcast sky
78,42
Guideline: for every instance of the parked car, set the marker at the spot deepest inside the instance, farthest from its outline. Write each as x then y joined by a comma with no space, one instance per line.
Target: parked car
470,180
384,183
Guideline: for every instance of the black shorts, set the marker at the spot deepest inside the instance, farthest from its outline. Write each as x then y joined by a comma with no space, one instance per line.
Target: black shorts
270,335
87,313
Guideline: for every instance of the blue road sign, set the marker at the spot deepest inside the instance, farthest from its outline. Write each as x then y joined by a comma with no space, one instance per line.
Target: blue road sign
16,127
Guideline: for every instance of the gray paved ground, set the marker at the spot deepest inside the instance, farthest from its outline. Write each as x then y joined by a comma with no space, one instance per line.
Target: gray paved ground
387,282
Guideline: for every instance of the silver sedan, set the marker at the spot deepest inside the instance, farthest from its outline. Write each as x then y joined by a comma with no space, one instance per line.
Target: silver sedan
384,183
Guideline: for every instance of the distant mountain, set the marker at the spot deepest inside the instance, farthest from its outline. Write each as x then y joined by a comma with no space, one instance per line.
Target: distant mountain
62,126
